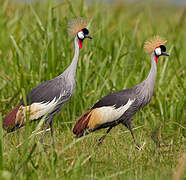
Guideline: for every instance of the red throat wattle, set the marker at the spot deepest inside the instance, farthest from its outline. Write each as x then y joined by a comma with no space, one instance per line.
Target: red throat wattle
156,59
80,44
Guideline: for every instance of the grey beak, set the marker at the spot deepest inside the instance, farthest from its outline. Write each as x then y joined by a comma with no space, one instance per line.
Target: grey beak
165,54
87,36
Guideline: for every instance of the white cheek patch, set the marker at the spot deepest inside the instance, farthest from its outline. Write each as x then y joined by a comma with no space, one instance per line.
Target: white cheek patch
110,113
81,35
158,51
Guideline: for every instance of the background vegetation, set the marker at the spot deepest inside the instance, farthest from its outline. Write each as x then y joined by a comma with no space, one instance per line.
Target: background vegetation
35,47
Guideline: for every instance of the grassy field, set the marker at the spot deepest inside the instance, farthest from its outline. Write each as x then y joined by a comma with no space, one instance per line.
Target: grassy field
35,47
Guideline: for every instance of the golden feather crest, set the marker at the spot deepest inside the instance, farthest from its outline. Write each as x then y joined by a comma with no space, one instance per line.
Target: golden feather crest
154,42
76,25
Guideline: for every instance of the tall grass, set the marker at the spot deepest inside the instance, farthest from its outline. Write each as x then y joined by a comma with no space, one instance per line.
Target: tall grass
35,47
1,144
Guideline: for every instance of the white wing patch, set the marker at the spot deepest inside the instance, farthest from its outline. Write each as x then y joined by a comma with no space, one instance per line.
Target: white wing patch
40,109
36,110
110,113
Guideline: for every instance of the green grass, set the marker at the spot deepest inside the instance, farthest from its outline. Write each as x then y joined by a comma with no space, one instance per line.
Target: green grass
35,47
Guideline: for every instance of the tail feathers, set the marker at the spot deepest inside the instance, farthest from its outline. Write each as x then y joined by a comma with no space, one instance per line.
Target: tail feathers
9,120
82,123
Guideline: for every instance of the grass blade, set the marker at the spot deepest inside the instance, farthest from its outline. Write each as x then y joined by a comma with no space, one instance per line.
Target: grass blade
1,143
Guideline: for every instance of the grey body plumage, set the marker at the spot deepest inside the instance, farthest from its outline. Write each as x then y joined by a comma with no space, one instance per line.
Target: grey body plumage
48,98
142,93
130,100
61,87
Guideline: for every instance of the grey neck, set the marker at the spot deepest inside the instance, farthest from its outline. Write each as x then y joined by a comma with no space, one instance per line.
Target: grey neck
70,72
151,78
145,89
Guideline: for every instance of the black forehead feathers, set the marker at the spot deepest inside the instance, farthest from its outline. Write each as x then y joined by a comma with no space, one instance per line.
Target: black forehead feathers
163,48
85,31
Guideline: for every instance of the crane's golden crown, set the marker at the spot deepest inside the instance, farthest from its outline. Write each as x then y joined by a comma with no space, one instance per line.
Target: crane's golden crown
153,43
75,25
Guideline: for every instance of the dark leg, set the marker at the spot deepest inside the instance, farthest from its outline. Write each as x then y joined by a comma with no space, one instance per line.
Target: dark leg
103,137
47,124
52,132
128,124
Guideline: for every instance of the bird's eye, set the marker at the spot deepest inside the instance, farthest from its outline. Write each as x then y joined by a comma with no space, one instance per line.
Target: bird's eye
163,48
158,51
80,35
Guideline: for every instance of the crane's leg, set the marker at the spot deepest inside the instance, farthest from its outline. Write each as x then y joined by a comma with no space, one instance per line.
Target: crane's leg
103,137
52,133
47,124
128,124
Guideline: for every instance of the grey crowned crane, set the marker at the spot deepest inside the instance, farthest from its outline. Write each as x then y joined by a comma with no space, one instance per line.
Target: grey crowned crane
49,97
119,107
